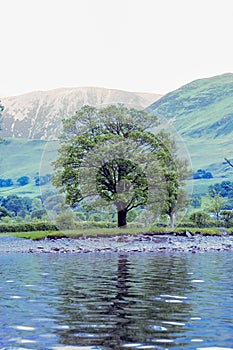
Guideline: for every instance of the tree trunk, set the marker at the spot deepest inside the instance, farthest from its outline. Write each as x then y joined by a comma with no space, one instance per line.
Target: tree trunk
121,218
172,220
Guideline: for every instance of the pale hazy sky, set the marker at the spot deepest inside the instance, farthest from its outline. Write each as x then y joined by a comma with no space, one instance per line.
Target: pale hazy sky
135,45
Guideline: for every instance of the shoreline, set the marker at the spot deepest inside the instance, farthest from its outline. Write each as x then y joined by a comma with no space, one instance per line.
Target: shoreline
126,243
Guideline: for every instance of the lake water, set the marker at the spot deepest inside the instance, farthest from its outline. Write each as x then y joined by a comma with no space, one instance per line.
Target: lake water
113,301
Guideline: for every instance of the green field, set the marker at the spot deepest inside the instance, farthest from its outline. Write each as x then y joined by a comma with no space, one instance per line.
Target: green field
20,157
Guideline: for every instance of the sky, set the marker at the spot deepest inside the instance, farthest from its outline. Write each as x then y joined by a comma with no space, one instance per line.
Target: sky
135,45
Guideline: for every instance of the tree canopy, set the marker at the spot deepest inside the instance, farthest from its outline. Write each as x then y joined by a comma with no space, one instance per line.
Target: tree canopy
111,157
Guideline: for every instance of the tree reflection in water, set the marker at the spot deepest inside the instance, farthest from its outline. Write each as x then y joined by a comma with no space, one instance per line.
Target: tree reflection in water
117,299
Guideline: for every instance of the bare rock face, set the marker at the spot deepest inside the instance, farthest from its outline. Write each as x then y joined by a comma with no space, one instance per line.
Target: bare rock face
39,114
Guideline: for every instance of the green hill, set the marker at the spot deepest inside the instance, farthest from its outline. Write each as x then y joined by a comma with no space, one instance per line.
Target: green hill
202,113
21,157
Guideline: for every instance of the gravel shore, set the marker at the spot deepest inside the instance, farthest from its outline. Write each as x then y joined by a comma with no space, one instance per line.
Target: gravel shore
123,243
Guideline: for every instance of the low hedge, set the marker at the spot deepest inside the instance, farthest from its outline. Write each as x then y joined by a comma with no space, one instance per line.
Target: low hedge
28,227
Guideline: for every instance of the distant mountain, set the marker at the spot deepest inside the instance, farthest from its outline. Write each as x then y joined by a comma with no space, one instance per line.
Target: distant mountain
39,114
202,113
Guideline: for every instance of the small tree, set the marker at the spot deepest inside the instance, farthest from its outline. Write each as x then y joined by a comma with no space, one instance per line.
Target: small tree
200,218
214,204
38,214
65,221
196,201
4,212
37,204
227,216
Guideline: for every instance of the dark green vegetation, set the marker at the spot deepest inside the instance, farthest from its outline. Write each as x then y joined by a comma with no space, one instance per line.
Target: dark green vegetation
108,158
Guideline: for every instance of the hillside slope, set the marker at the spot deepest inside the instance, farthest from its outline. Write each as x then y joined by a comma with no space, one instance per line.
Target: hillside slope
201,108
39,114
202,113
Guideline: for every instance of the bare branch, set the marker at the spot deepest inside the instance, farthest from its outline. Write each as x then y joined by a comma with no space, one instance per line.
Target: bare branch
228,161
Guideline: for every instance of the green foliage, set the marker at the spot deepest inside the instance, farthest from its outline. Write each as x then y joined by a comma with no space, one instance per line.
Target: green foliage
6,219
38,214
110,157
132,215
97,217
196,201
202,174
16,204
66,221
23,180
80,216
225,189
6,182
37,204
227,217
23,207
200,218
4,212
41,180
27,227
214,204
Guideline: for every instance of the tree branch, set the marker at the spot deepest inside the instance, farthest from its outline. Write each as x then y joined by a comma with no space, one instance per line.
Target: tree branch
231,164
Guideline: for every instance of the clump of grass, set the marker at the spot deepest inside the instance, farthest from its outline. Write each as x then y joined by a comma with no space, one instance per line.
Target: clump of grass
108,232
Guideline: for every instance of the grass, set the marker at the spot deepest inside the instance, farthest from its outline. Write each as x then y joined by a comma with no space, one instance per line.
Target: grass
108,232
21,157
94,232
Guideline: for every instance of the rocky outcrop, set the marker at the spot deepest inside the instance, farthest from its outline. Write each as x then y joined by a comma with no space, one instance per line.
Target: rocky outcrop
39,114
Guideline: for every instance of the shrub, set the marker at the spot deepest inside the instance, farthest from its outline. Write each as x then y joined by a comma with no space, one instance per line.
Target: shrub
4,212
65,221
200,218
27,227
23,180
38,213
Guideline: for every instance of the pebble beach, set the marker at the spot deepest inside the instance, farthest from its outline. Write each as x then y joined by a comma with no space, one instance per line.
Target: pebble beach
122,244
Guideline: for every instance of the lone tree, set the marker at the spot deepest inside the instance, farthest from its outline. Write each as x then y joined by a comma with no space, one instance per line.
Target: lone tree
110,156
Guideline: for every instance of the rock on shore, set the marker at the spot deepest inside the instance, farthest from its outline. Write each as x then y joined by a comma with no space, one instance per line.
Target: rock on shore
123,243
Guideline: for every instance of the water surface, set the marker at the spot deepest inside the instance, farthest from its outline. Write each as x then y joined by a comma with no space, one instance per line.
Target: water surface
116,301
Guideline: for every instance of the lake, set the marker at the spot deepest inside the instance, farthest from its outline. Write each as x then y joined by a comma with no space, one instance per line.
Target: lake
116,301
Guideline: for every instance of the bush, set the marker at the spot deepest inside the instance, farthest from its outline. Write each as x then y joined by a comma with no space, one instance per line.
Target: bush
65,221
97,224
38,213
200,218
27,227
4,212
227,217
23,180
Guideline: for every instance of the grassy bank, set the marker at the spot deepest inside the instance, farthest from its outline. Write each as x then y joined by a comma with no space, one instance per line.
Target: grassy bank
108,232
